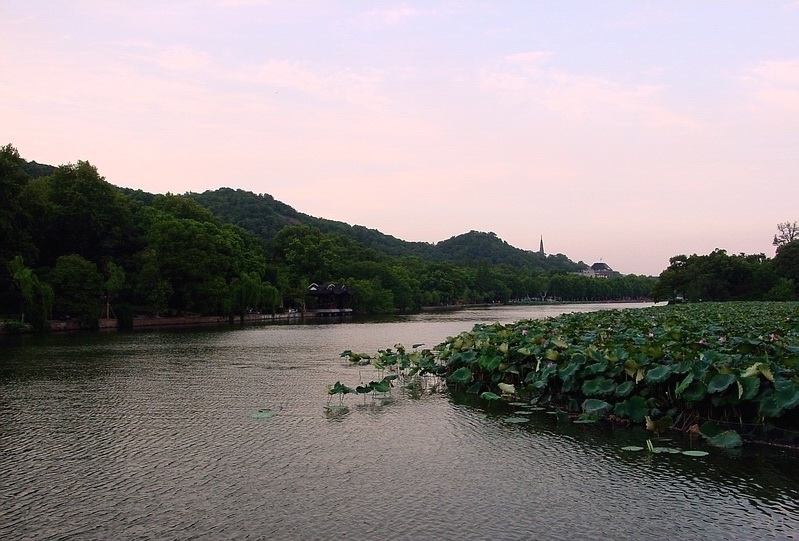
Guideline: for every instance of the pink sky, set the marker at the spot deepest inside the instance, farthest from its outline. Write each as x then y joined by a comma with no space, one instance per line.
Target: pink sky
620,131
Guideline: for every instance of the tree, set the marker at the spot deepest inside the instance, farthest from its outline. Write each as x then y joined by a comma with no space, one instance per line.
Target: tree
31,290
78,287
75,211
14,232
786,261
786,232
115,281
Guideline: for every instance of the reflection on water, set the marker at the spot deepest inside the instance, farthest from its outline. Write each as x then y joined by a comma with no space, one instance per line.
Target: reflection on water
151,435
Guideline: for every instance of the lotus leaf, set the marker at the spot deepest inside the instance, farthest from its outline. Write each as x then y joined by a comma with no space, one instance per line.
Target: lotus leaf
263,414
748,387
729,439
695,453
336,408
597,407
720,382
569,370
695,392
786,393
489,396
632,448
506,388
684,384
710,429
461,375
489,362
596,368
517,420
625,388
635,408
598,387
658,375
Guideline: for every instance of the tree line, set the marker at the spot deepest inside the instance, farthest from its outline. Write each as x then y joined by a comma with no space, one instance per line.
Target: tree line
74,246
719,276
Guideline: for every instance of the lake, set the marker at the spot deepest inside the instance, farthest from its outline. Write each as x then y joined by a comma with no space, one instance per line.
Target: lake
151,435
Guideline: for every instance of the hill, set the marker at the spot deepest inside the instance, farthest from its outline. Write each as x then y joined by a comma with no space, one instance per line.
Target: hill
264,216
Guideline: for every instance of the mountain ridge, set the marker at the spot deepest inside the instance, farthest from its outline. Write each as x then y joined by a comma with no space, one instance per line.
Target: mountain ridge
265,216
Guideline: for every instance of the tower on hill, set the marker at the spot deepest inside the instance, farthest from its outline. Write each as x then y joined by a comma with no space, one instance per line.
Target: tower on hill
541,247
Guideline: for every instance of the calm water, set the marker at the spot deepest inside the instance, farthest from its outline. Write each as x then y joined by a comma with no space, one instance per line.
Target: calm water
151,436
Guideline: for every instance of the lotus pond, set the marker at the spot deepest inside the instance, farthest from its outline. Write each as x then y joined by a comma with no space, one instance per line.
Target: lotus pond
718,369
223,434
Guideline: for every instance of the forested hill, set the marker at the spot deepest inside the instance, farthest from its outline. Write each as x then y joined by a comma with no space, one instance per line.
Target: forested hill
476,246
265,216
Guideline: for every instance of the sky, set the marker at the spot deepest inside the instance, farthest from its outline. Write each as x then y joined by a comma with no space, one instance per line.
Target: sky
626,132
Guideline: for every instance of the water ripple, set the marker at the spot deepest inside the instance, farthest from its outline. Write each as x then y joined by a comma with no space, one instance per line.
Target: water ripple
152,436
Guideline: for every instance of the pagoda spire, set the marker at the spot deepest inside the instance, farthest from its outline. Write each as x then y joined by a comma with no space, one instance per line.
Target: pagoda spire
541,246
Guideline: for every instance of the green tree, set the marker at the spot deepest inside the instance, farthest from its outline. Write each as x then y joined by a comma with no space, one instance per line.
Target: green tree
75,211
114,284
78,287
152,290
786,261
33,293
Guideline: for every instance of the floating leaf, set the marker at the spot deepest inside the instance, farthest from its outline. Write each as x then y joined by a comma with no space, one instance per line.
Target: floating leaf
728,439
695,453
336,408
632,448
489,396
668,450
263,414
517,420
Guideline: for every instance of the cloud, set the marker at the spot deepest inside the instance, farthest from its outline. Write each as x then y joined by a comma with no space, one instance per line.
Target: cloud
388,17
528,79
775,83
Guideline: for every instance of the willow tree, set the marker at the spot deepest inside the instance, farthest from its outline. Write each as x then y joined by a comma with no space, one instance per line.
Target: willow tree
33,293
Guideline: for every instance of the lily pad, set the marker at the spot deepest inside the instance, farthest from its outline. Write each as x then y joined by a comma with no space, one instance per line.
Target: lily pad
489,396
263,414
517,420
695,453
632,448
336,408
